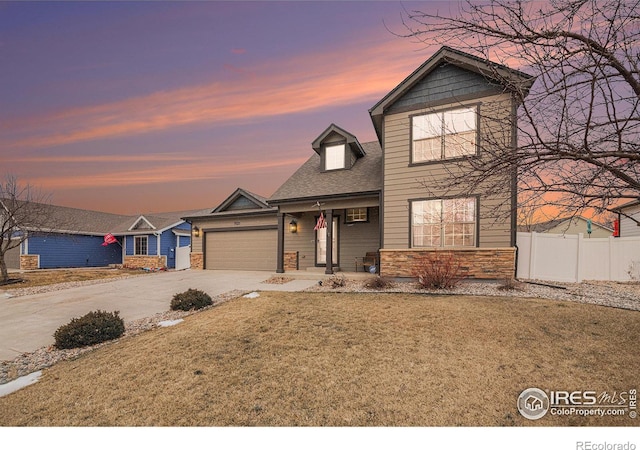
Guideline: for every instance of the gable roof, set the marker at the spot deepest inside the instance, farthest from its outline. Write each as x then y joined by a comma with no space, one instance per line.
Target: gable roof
627,205
141,223
309,182
351,140
240,202
466,61
242,199
83,221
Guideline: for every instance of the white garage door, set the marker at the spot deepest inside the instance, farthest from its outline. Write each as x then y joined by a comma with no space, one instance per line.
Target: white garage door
241,250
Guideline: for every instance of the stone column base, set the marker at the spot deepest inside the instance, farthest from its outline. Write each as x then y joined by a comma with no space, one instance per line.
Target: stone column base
476,263
145,262
197,261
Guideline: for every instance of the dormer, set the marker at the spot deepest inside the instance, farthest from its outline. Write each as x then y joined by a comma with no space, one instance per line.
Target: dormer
338,149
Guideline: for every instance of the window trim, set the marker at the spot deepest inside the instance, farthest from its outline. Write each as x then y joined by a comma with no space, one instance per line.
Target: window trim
135,245
476,230
346,215
442,159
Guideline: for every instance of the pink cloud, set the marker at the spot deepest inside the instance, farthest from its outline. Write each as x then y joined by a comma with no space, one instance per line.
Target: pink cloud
197,168
238,51
302,83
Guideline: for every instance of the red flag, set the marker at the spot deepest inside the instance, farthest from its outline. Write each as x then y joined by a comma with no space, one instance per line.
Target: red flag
109,239
321,223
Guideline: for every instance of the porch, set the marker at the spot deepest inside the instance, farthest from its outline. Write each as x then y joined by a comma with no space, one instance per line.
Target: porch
352,229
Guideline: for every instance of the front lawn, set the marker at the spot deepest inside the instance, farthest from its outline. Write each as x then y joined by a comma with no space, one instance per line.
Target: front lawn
323,359
45,277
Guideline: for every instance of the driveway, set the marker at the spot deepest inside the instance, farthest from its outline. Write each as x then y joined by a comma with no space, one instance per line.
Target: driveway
28,323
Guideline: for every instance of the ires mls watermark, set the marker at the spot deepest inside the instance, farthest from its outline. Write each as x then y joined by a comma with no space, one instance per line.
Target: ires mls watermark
534,403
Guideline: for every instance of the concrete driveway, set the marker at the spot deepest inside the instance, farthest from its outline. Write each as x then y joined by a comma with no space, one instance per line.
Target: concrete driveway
27,323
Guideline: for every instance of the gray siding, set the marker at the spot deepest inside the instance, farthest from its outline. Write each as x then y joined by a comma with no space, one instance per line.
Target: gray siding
12,258
355,240
402,182
627,226
240,204
444,83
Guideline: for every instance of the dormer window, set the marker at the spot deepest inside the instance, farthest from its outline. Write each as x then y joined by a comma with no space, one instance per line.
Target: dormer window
334,157
338,149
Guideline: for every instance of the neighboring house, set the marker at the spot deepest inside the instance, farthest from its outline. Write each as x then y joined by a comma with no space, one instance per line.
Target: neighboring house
77,235
570,225
629,219
370,194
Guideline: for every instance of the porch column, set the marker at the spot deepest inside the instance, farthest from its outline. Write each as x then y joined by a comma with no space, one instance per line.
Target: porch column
329,222
280,257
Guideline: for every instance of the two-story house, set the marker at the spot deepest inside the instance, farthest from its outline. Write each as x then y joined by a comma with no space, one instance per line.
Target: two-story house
353,198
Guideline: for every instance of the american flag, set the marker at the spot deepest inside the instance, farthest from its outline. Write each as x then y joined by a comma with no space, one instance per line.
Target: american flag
109,239
321,223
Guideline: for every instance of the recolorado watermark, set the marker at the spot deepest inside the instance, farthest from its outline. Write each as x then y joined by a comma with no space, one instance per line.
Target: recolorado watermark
534,404
588,445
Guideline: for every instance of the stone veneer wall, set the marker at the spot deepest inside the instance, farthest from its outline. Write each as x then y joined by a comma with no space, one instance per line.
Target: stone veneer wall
291,261
479,263
197,260
145,262
29,262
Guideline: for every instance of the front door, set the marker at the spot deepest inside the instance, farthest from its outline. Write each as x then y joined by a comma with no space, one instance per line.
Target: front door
321,244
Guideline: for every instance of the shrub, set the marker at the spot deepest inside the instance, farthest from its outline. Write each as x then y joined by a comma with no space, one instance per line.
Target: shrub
337,281
90,329
190,299
511,284
438,270
378,283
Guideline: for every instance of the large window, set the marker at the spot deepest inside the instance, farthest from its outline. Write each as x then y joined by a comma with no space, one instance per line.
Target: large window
443,223
444,135
334,157
140,244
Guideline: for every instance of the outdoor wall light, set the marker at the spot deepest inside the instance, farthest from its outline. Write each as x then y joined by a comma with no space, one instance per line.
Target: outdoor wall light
196,231
293,226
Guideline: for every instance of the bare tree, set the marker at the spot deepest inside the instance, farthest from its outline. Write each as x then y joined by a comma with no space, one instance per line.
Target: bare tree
579,124
23,210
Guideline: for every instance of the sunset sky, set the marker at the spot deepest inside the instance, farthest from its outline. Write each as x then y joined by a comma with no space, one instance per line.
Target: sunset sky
133,107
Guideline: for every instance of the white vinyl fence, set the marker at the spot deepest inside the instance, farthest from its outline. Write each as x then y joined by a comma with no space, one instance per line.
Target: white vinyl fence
574,258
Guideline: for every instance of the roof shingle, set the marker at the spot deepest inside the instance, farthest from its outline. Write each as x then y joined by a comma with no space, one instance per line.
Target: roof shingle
310,182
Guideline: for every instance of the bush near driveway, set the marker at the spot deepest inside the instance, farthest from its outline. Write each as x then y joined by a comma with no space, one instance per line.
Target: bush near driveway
326,359
92,328
190,299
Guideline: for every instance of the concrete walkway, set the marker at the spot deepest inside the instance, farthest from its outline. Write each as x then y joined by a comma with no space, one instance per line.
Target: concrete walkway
28,323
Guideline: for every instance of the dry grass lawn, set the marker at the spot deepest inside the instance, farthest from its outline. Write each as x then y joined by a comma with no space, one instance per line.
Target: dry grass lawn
319,359
46,277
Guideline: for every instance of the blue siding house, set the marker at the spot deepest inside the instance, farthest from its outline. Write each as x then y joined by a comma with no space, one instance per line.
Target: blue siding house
65,250
146,241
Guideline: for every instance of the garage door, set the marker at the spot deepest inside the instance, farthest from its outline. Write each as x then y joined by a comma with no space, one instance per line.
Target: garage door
12,258
241,250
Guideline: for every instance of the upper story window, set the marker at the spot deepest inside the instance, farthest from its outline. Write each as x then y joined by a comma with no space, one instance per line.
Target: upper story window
444,135
334,157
